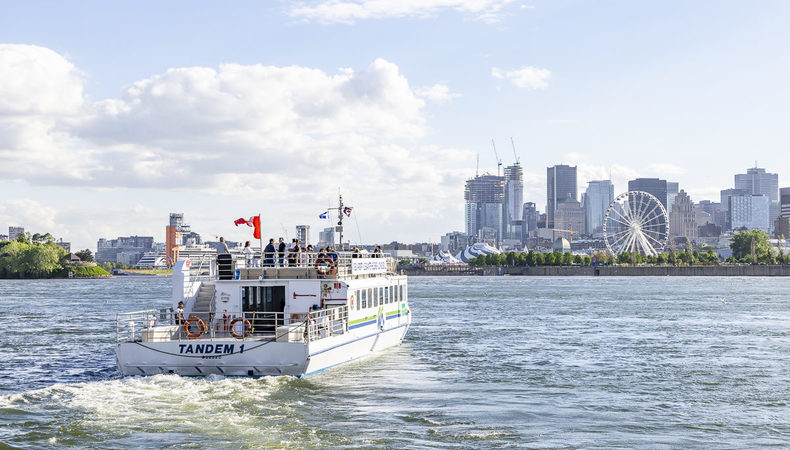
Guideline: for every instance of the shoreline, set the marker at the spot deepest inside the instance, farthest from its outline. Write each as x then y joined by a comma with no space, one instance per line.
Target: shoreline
592,271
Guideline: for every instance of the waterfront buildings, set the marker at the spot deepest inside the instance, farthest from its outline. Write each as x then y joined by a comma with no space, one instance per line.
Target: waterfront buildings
326,237
455,241
682,219
484,209
560,185
596,200
124,249
514,199
569,218
14,232
749,211
303,234
756,181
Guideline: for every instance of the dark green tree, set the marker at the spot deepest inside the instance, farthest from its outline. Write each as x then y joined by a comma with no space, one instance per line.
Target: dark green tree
85,255
743,242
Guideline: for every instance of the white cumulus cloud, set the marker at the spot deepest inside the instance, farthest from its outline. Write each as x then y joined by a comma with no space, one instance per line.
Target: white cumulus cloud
526,77
349,11
437,93
280,137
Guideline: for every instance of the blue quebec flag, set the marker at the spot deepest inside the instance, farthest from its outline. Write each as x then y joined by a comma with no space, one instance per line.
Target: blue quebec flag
323,215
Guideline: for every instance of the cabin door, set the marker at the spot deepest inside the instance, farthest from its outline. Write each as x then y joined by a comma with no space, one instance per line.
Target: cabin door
263,306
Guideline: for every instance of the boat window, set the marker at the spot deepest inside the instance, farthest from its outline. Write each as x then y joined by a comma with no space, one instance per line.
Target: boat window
395,293
401,292
387,295
381,295
363,298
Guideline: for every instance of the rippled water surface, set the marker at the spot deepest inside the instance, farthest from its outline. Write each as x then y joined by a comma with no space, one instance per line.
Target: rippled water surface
488,362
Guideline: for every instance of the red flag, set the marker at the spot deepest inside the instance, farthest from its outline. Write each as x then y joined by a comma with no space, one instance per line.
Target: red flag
244,221
256,222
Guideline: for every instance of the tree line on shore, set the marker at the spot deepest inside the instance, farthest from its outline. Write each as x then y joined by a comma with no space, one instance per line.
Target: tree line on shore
752,247
38,256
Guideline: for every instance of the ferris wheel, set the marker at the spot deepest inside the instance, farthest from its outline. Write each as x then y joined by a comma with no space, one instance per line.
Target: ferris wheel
636,222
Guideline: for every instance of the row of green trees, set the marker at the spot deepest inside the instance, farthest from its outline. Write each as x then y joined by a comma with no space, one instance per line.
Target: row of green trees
747,247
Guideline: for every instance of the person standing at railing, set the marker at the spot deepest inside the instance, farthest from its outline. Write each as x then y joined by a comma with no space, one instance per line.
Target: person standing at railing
248,255
377,252
269,254
222,247
281,251
179,315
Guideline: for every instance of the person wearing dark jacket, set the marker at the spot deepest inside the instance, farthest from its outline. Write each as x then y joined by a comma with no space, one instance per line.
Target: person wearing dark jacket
281,250
269,254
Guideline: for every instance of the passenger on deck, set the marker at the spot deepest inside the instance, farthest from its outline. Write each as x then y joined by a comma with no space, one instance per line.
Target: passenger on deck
179,316
269,254
356,253
332,254
293,253
377,252
222,247
248,254
281,250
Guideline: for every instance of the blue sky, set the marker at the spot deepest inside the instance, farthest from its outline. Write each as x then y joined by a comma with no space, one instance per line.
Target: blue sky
113,115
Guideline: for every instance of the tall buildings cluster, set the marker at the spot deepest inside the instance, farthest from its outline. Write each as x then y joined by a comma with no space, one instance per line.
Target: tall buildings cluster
495,211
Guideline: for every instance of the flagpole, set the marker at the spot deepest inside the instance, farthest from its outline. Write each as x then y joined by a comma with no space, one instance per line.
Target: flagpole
260,240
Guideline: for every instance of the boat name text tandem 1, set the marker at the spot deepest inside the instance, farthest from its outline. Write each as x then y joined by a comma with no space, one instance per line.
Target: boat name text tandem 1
209,349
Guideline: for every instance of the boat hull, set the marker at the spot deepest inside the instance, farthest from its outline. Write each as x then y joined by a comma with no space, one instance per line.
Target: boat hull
232,357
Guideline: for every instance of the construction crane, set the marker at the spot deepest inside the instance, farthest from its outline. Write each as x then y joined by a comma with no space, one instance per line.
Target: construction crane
498,161
514,149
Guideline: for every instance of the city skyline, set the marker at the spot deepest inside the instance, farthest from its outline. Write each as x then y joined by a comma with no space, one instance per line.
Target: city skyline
112,117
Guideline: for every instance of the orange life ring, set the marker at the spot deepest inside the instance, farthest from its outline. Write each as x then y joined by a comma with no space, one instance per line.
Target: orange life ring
294,318
201,327
247,328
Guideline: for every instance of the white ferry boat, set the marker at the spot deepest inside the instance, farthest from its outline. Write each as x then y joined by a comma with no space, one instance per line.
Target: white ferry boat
288,319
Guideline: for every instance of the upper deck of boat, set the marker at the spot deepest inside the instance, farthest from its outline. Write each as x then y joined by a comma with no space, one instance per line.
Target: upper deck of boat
339,266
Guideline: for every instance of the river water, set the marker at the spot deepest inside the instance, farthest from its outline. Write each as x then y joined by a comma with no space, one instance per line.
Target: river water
488,363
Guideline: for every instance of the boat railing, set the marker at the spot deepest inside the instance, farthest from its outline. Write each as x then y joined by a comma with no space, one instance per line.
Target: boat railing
161,325
203,263
310,264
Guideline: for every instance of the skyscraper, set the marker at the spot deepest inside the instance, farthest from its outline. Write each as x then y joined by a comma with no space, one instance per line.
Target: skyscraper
597,198
560,185
654,186
514,198
757,182
672,191
303,234
530,217
750,212
485,197
173,237
784,202
682,219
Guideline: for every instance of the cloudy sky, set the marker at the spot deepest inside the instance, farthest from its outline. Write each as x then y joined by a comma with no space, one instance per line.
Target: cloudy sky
114,115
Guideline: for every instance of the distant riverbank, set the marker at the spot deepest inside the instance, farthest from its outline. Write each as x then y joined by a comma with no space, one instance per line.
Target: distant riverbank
779,270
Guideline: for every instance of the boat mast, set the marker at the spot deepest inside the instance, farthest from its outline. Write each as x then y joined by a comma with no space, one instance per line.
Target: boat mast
340,218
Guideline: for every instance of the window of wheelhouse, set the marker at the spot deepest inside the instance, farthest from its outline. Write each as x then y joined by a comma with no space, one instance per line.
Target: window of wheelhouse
395,294
363,299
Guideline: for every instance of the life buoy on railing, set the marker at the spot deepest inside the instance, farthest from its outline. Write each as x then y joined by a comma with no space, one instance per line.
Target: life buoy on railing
188,324
294,318
247,330
325,266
